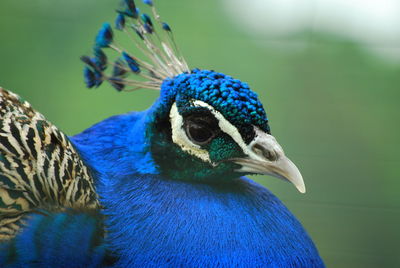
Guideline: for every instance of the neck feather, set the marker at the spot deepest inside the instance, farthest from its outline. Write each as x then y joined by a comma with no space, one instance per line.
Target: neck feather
156,221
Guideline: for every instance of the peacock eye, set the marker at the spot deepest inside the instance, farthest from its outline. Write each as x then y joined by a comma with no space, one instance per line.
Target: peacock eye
198,132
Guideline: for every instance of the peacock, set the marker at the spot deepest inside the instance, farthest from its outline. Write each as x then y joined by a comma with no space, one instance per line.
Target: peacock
164,187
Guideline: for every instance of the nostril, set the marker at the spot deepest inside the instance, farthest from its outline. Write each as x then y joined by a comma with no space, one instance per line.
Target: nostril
271,155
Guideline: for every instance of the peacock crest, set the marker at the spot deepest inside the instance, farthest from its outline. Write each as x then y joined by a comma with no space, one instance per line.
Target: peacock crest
151,36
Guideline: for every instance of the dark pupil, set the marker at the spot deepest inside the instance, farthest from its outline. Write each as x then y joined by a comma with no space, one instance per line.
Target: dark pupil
199,133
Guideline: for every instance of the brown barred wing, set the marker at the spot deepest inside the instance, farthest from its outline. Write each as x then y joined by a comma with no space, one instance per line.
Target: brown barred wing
39,167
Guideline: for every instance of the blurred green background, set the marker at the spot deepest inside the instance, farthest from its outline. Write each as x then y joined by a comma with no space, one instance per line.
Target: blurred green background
333,106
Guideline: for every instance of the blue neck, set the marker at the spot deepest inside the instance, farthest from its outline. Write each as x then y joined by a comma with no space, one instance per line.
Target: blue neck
118,145
172,222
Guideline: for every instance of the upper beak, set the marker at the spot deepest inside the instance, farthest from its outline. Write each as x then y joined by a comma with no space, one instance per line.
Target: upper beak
265,156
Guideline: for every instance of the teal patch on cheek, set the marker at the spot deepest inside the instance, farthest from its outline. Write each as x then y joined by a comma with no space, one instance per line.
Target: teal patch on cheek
223,148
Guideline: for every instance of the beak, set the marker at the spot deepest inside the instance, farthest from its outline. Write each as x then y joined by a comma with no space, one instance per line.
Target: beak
265,156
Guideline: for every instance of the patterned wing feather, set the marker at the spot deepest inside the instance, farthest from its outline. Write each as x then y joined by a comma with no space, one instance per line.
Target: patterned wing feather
39,167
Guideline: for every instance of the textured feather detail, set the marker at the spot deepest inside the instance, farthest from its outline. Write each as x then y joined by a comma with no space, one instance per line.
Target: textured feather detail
62,239
39,167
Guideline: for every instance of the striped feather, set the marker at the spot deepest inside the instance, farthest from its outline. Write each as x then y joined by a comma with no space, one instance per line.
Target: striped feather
39,167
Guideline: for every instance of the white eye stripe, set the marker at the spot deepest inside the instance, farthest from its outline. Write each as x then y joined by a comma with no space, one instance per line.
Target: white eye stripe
232,131
225,126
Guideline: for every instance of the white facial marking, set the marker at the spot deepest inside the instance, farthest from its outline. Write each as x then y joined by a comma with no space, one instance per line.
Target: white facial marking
226,127
179,135
261,137
180,138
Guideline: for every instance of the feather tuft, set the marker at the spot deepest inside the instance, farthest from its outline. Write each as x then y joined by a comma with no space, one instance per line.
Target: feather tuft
128,8
146,19
117,83
98,78
163,56
119,68
148,28
90,77
148,2
131,6
105,36
132,63
166,27
147,23
88,61
100,58
120,22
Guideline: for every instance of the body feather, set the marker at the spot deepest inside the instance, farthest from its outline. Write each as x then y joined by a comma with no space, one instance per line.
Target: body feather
39,167
58,239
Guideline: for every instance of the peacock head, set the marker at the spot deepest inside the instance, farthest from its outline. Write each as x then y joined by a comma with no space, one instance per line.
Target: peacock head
206,126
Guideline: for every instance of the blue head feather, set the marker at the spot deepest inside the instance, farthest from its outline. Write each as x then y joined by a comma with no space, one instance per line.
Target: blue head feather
92,72
90,77
128,8
100,58
117,83
148,28
146,19
231,97
166,27
148,2
104,36
119,68
132,63
120,22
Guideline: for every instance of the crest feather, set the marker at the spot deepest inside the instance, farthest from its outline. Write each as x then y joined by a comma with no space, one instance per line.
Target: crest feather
154,40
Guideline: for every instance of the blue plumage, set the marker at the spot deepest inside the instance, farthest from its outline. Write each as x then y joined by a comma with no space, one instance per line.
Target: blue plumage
128,8
93,72
90,77
100,58
170,180
119,69
146,19
104,36
148,2
132,63
153,220
117,83
68,239
120,22
166,27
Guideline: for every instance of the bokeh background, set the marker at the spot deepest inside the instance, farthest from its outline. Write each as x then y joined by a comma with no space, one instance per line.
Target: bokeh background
327,71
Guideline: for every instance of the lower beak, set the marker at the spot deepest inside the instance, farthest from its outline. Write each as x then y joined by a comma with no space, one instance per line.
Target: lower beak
265,156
